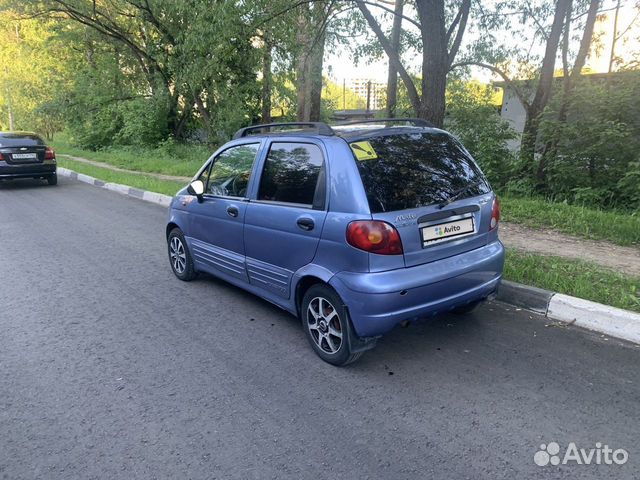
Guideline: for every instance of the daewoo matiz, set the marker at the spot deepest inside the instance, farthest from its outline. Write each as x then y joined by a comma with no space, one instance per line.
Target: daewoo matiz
353,228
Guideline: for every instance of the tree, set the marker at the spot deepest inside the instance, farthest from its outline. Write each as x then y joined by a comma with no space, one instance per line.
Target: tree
440,44
392,78
312,22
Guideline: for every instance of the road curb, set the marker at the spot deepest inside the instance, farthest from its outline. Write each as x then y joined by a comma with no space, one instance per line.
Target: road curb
597,317
152,197
611,321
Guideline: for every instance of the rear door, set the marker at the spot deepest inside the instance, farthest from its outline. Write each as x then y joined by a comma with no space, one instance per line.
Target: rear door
216,225
285,217
22,148
411,179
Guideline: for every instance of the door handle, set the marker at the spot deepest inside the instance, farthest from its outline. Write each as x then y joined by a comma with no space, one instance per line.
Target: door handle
306,223
232,211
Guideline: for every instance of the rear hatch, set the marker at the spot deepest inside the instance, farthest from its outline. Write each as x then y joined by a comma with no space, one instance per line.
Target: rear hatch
22,148
424,183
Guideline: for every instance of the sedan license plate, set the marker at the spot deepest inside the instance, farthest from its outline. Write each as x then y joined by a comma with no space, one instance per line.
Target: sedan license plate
447,231
24,156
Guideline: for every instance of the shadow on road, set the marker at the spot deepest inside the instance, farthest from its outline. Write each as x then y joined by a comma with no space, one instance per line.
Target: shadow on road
22,184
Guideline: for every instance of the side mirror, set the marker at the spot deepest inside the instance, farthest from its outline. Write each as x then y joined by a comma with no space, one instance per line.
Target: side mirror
196,188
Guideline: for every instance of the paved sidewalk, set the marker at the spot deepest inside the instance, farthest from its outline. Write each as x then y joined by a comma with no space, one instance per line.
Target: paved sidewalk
551,242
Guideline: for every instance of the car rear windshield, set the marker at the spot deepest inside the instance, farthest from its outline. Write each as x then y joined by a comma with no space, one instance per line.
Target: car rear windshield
20,140
410,170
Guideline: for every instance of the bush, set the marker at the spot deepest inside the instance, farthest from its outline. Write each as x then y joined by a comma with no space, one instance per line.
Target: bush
472,115
596,159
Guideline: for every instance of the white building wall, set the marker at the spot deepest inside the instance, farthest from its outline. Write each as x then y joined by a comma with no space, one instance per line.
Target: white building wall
513,111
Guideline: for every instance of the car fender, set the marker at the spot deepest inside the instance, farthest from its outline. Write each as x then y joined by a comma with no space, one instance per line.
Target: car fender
178,218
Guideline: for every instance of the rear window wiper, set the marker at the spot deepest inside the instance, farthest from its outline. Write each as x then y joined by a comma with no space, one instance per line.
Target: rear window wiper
459,193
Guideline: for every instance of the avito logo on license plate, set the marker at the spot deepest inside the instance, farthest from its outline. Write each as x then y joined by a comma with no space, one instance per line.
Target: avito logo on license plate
447,231
23,156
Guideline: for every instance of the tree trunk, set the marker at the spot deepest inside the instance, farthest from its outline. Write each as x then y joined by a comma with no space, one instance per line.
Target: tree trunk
310,60
392,79
435,60
267,81
543,92
315,78
569,82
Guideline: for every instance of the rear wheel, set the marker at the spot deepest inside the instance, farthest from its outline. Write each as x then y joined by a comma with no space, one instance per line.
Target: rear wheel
179,256
52,179
327,325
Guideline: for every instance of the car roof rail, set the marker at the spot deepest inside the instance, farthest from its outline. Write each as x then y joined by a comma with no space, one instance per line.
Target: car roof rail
418,122
320,128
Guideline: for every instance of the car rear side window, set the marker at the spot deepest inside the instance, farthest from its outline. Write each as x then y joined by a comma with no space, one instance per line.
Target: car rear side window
20,140
293,173
403,171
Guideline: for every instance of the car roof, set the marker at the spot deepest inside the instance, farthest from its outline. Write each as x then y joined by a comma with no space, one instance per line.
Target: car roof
352,133
18,134
348,131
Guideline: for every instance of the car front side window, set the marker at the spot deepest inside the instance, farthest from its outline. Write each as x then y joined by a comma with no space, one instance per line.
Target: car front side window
231,170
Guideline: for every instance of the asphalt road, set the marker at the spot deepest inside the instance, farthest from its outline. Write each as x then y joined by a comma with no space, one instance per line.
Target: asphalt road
112,368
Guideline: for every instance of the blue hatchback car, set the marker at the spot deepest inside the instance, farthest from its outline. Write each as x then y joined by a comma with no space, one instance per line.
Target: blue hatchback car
353,228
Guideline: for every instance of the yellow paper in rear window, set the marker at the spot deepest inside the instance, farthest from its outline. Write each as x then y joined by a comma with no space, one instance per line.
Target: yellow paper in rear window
363,151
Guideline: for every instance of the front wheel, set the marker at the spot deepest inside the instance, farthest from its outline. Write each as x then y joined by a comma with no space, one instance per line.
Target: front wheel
327,326
179,256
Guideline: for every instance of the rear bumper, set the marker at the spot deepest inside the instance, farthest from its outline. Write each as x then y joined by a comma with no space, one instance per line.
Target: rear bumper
27,170
379,301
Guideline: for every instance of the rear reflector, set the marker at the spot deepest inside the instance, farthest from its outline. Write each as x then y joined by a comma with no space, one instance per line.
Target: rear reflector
49,154
374,236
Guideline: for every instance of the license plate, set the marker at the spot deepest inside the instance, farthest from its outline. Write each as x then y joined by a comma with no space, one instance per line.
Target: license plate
447,231
24,156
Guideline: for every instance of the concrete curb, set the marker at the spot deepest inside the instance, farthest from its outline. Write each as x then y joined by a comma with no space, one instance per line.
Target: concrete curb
597,317
611,321
152,197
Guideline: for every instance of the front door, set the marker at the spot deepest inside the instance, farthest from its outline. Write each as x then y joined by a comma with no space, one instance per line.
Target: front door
216,224
284,222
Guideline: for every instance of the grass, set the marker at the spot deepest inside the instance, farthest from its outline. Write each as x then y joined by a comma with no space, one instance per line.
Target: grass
142,182
574,277
616,227
169,159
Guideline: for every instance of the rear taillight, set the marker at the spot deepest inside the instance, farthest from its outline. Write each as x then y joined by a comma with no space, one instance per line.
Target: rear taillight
374,236
1,157
495,214
49,154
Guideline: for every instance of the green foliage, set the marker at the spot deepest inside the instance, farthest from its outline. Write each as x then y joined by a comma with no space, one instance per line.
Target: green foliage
598,147
169,157
473,117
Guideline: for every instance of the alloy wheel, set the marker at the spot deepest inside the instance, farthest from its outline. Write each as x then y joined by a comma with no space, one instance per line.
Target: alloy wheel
178,255
324,325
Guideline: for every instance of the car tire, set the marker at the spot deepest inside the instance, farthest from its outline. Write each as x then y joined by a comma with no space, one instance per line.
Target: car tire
52,179
465,309
179,256
327,326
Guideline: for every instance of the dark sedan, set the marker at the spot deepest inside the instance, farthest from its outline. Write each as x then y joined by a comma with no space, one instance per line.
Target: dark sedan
25,155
